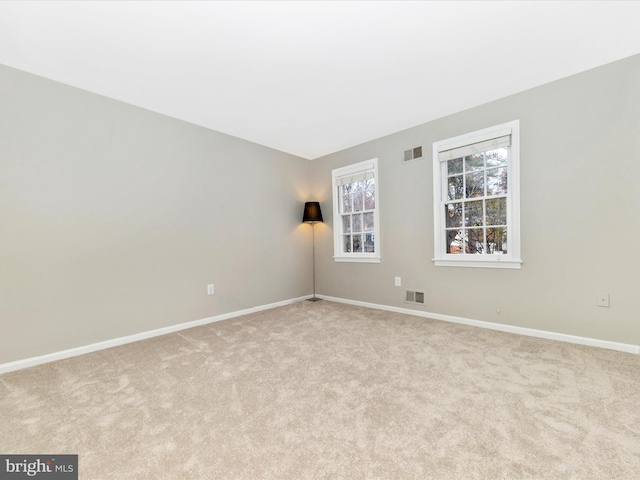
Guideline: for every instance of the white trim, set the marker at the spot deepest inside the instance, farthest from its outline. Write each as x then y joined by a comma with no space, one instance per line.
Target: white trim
355,259
356,168
513,258
344,172
94,347
529,332
478,136
493,261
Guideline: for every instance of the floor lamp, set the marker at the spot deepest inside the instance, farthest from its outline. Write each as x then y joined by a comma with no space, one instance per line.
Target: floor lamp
313,215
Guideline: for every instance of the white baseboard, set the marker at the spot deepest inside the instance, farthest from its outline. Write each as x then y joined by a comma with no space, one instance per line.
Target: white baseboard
74,352
530,332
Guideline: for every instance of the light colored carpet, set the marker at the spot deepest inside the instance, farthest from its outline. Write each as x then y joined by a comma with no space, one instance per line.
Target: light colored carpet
324,390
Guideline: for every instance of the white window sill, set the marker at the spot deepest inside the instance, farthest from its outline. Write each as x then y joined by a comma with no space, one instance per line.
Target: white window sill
354,259
494,261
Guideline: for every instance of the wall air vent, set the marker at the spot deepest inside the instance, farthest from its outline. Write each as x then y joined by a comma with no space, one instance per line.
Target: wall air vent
412,154
413,296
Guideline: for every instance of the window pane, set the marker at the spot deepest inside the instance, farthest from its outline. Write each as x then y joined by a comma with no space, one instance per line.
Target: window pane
496,157
371,184
474,162
476,240
497,211
357,222
497,240
370,200
346,224
358,203
368,222
473,214
357,243
475,185
455,241
453,214
497,181
456,187
346,203
369,243
346,242
454,166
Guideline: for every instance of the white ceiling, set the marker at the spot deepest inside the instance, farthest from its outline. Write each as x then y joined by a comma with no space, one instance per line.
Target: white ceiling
312,78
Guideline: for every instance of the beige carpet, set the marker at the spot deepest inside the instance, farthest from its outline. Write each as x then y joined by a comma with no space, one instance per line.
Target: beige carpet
324,390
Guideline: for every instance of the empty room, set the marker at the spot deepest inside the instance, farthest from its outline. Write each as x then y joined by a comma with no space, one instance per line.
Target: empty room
319,240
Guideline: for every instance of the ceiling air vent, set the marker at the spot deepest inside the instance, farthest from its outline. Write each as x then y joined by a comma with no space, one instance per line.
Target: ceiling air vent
412,154
413,296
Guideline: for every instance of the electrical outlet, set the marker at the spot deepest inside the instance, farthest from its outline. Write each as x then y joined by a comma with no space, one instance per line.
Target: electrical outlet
398,282
603,299
210,289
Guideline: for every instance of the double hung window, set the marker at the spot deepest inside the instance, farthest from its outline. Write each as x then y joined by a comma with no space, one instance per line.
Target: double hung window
476,199
355,213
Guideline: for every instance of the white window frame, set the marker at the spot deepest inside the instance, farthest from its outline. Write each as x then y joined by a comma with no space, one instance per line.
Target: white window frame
512,258
368,167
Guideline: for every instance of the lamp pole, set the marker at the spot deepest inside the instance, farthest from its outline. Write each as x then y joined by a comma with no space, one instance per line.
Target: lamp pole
313,234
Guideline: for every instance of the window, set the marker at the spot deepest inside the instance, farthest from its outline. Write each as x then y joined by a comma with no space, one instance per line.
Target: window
355,213
477,199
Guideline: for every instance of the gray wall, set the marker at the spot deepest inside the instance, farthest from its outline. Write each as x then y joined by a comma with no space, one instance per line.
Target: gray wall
580,206
113,220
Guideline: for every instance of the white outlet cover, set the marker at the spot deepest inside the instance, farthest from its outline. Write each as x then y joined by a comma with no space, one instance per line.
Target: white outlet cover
603,299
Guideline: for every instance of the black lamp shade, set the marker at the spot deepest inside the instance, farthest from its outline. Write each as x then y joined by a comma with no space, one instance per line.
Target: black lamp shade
312,213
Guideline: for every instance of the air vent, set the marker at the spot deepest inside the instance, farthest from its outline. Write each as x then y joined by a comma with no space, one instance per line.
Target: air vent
413,296
412,154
